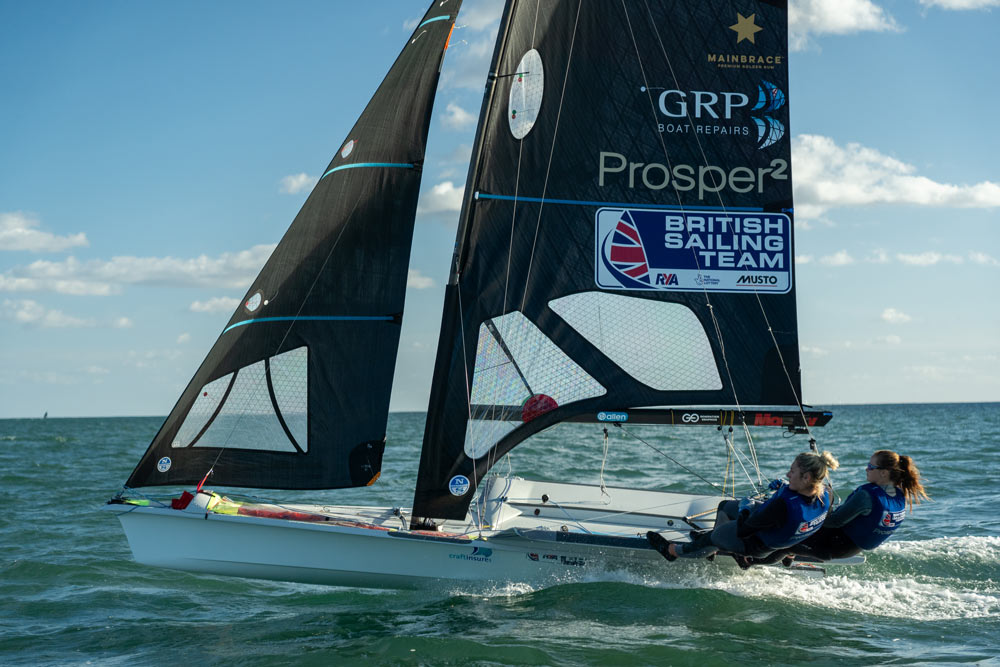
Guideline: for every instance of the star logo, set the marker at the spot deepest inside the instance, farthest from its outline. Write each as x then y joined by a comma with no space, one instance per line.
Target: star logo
745,28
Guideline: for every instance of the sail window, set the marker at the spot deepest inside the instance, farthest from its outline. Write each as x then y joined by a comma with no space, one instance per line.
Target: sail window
526,89
520,374
262,406
288,377
661,344
253,303
204,408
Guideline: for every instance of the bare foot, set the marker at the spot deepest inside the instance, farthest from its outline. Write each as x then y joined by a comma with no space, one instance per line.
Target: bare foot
672,550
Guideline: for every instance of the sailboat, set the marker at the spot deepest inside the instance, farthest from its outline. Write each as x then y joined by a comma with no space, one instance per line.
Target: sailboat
624,255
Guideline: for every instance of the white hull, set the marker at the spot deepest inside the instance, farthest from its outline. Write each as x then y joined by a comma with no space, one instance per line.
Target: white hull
523,538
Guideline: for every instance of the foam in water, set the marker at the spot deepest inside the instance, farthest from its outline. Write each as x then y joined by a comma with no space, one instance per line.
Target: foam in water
980,550
916,594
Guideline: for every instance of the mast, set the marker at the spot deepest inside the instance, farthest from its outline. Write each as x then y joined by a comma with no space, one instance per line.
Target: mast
451,314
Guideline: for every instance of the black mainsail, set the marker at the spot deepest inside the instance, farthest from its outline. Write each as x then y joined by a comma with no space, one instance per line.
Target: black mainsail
294,394
626,235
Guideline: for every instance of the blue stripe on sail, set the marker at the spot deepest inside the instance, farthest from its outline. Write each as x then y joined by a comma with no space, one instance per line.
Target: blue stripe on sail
397,165
436,18
577,202
314,318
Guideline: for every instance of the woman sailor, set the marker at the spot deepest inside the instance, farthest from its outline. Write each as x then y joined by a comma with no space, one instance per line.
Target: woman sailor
795,512
870,515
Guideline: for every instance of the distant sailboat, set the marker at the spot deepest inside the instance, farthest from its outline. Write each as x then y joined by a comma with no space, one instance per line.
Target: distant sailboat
624,254
46,415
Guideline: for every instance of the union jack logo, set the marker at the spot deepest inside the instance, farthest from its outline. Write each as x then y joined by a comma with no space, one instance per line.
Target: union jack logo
626,252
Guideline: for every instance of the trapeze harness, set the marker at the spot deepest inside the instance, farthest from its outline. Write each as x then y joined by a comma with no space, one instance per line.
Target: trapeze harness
802,518
878,525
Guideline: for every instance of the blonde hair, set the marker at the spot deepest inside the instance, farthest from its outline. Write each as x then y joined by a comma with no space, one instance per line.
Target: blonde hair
818,465
902,473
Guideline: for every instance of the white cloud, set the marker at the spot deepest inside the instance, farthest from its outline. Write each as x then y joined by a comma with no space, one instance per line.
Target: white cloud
829,175
839,258
891,339
931,372
813,351
22,377
878,256
893,316
442,198
982,258
808,18
151,358
803,259
961,4
96,370
417,280
986,357
231,270
457,118
480,15
411,25
461,155
183,338
468,62
122,323
217,304
929,258
19,231
296,183
32,313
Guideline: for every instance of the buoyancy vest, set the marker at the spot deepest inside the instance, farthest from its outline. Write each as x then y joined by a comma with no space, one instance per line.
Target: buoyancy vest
887,514
803,517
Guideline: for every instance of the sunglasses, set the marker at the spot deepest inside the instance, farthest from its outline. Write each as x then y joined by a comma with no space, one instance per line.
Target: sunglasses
871,467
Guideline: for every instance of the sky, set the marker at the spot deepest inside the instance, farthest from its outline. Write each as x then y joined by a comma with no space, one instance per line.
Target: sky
152,154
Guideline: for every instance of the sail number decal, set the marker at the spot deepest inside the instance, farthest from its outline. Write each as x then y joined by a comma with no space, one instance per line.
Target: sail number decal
693,251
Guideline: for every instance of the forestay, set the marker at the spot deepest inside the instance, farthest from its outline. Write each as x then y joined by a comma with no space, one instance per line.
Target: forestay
295,392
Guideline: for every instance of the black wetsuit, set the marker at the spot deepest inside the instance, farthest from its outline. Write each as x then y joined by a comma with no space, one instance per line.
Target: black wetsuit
771,515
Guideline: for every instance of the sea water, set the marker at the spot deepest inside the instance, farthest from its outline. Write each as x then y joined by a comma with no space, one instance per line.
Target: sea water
71,593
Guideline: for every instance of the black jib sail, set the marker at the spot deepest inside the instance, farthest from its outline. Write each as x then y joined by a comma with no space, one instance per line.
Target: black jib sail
626,235
295,392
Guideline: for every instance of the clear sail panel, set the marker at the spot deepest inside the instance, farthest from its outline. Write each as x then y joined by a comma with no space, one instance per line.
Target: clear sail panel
261,407
519,375
661,344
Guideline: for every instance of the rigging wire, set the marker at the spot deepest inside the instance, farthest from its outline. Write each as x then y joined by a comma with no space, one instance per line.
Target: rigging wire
711,310
552,149
722,204
494,407
667,456
604,460
525,322
666,154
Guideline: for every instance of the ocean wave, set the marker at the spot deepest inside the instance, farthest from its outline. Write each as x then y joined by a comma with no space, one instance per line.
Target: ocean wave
901,597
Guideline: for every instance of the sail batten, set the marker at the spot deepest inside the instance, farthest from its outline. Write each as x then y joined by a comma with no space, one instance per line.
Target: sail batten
309,383
361,165
576,202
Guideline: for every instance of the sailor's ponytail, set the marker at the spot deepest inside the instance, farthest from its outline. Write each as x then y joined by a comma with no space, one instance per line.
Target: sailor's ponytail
817,465
829,460
904,474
